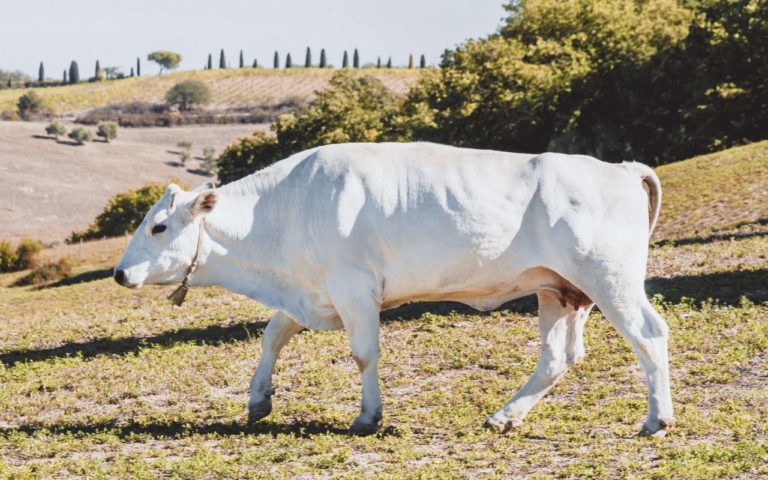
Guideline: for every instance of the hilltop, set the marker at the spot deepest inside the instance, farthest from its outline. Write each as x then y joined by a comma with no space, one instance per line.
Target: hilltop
230,88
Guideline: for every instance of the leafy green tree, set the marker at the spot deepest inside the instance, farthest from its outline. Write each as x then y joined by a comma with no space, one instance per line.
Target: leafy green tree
41,73
165,59
323,62
123,213
56,129
348,110
107,130
356,60
30,102
80,135
188,94
345,60
242,60
288,62
308,58
28,253
222,59
276,60
74,73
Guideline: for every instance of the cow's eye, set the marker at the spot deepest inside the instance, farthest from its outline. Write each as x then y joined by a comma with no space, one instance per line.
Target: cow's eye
158,229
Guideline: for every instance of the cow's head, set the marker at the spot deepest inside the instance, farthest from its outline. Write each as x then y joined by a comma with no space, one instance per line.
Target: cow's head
163,246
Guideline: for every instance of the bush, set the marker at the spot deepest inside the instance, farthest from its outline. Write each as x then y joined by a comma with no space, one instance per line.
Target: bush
7,257
81,135
107,130
209,159
56,129
188,94
29,103
186,151
28,253
47,273
350,109
123,213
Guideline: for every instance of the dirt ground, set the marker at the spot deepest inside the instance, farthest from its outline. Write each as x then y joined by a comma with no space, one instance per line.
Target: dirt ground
49,189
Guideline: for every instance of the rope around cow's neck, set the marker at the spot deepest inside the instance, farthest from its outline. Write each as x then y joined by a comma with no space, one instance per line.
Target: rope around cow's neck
178,295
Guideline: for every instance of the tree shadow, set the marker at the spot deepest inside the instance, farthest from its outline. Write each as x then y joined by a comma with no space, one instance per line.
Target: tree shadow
724,287
171,163
176,429
210,335
414,311
81,278
717,236
200,172
43,137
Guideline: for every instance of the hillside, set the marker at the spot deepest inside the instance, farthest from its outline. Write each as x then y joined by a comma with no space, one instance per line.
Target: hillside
104,382
51,189
229,88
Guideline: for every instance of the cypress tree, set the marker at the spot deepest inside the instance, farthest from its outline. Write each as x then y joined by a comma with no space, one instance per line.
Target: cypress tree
210,62
389,62
322,58
255,63
378,62
97,73
9,82
242,62
138,67
308,59
410,60
132,73
222,60
64,78
41,73
276,62
356,60
74,72
288,62
422,62
345,60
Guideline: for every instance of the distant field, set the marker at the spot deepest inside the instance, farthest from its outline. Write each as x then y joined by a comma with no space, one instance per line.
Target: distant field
229,88
97,381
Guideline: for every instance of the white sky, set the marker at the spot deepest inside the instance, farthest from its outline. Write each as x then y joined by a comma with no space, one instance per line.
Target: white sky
116,32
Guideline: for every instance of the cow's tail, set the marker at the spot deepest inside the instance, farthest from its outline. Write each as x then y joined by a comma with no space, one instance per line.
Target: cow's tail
652,186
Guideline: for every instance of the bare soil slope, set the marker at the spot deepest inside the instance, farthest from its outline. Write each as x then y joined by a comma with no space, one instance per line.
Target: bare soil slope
50,189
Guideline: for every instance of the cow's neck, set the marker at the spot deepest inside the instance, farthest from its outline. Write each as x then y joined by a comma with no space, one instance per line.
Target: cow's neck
240,251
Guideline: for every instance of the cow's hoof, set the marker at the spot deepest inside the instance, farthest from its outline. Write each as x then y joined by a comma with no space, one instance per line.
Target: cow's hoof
361,427
657,429
259,410
501,425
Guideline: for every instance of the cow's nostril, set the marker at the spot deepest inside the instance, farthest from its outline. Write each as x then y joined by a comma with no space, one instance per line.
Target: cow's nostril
120,277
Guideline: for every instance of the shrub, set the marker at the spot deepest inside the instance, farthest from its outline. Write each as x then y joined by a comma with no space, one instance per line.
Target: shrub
56,129
186,150
30,102
123,213
209,159
28,253
7,257
80,135
188,93
107,130
247,155
47,273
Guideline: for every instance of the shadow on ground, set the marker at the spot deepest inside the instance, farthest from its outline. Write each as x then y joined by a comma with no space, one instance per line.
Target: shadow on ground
715,237
83,277
724,287
297,428
210,335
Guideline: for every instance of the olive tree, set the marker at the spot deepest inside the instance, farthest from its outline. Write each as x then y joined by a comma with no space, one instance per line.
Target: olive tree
188,94
107,130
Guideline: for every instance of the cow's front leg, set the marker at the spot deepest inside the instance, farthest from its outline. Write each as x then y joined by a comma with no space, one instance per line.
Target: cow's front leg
278,332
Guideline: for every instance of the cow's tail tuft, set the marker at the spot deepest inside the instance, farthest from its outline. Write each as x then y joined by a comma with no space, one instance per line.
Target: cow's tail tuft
652,186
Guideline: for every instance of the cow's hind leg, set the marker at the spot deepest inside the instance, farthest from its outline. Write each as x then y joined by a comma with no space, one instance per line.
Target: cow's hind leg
278,332
561,326
647,332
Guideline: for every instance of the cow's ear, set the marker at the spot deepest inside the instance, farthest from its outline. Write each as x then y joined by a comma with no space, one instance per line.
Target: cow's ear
204,203
173,191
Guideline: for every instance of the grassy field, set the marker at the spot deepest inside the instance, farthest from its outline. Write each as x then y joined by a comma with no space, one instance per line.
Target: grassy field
229,88
102,382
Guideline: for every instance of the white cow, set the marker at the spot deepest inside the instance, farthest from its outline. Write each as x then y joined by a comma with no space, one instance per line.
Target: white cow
331,236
